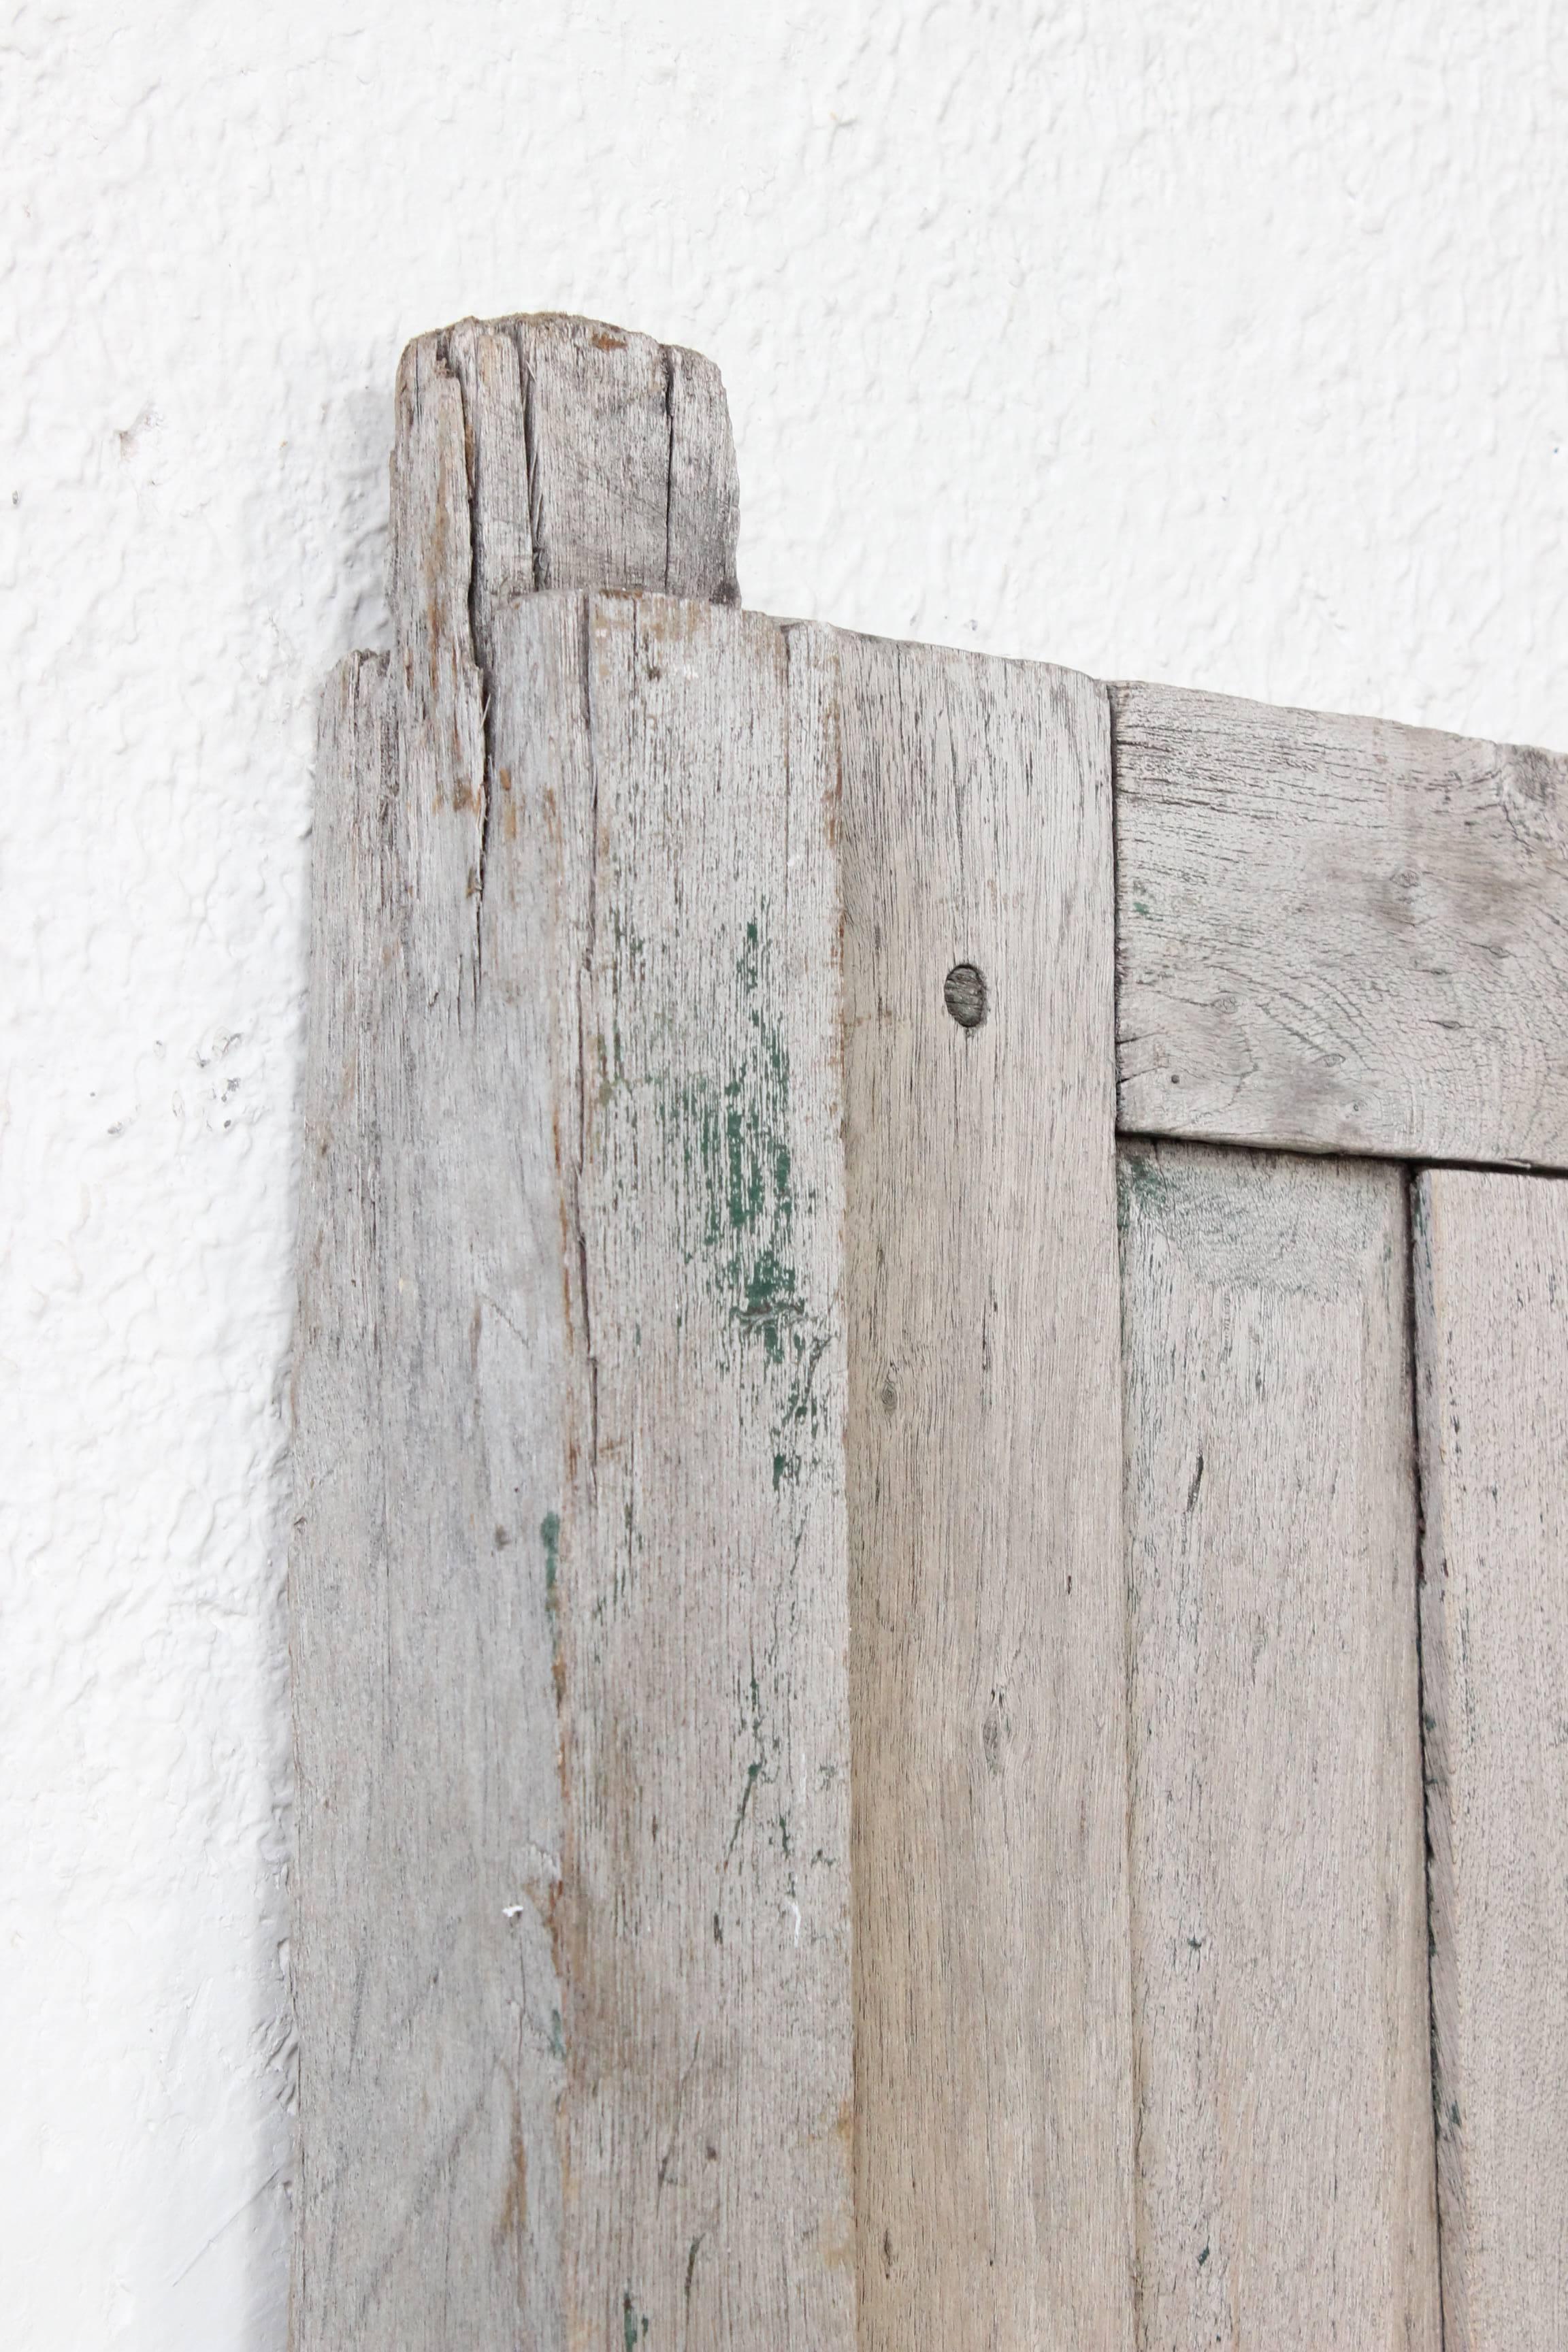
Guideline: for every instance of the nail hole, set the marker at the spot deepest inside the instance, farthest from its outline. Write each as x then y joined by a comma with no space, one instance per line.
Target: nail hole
963,993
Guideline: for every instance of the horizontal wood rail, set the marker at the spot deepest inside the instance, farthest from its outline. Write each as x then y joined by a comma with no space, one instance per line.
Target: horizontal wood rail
1339,934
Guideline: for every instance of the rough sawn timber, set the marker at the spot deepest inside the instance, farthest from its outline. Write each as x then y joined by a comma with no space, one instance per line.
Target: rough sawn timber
1492,1260
595,460
988,1682
569,1592
1285,2171
1339,934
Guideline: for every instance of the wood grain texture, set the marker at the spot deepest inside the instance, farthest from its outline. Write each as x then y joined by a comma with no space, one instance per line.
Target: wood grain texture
1284,2169
569,1576
406,2124
992,2078
596,459
702,1603
1338,934
1493,1353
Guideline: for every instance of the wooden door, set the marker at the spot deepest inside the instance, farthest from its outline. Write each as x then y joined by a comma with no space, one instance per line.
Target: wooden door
1345,937
929,1613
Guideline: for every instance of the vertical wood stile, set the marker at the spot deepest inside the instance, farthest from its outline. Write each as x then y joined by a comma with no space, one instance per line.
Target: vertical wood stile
1491,1286
1285,2182
987,1643
699,1571
569,1579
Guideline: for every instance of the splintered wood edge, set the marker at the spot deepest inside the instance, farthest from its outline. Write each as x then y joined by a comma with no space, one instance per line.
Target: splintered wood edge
596,457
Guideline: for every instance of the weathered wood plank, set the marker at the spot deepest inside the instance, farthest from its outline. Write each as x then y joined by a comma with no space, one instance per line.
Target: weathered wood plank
596,459
1285,2172
1493,1354
338,1535
569,1594
406,2123
1338,934
704,1927
571,1633
993,2084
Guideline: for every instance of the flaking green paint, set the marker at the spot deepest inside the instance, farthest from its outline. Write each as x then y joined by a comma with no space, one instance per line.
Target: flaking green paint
726,1137
550,1537
1139,1178
730,1129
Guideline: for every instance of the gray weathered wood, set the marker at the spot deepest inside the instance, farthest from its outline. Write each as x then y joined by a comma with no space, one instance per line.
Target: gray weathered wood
569,1578
596,459
993,2081
407,2127
1339,934
1493,1353
1284,2173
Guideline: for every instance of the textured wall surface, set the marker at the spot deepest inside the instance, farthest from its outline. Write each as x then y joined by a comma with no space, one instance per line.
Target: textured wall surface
1219,342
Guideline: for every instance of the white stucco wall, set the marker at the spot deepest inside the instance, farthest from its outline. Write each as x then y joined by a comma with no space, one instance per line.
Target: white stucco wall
1220,343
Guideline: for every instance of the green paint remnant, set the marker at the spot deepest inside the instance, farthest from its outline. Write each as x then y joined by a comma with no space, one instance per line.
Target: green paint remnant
726,1138
743,1168
633,2324
550,1537
1142,907
557,2035
730,1132
1140,1180
771,1305
808,1354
